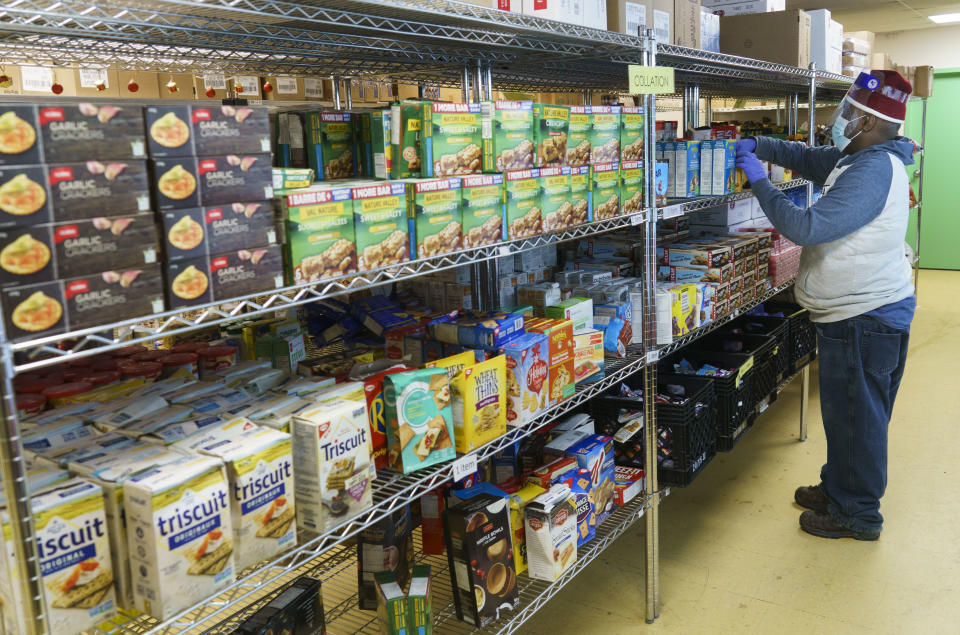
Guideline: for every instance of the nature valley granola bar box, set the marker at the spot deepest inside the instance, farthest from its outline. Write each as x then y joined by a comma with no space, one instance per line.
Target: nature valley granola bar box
508,136
180,534
437,215
605,134
550,125
331,151
581,194
451,139
526,377
405,140
606,190
381,150
420,429
521,198
482,210
578,139
631,134
555,198
631,187
320,238
380,224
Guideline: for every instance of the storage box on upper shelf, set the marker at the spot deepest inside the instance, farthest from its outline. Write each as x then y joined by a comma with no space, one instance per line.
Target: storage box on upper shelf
183,182
559,10
189,233
740,7
687,23
826,41
782,37
179,131
709,30
224,276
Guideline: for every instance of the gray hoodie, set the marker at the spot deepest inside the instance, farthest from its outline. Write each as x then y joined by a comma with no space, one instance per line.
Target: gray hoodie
853,259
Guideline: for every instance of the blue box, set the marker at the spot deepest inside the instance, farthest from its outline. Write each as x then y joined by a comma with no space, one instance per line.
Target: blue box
595,454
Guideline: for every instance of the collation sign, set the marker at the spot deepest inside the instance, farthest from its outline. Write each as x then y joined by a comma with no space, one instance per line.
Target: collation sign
645,80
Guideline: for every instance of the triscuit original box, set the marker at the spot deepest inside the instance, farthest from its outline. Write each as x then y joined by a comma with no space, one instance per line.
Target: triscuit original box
631,134
551,124
333,461
436,207
405,140
86,131
451,139
605,134
330,145
380,225
526,377
631,187
521,197
260,472
320,237
180,534
551,533
420,428
605,179
578,137
482,210
558,212
508,136
479,408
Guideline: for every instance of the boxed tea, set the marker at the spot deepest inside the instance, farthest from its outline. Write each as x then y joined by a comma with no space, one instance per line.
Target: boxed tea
631,134
578,138
405,140
508,136
606,190
188,233
551,533
451,140
320,237
437,215
550,125
87,131
380,225
482,210
521,196
605,134
420,429
331,150
631,187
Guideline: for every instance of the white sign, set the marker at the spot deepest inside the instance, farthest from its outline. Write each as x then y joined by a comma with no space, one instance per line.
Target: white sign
286,85
673,211
249,83
36,78
216,81
313,87
90,77
636,219
464,467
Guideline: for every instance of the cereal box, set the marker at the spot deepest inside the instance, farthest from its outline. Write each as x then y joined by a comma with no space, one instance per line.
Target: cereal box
583,500
605,179
435,205
551,533
631,187
508,137
482,210
260,472
179,533
521,197
551,124
578,138
581,194
686,168
558,212
595,454
391,604
605,134
420,429
330,146
588,365
405,140
478,402
560,375
380,224
631,134
320,239
333,462
451,140
526,377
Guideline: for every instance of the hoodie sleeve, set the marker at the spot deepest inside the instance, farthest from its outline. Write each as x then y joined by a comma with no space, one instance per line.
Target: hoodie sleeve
857,197
814,164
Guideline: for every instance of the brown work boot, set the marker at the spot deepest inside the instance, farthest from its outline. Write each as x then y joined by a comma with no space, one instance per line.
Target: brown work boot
824,525
812,498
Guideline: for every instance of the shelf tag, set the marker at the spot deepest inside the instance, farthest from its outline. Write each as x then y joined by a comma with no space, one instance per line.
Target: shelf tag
636,219
464,467
90,77
646,80
672,211
640,513
36,79
505,250
653,357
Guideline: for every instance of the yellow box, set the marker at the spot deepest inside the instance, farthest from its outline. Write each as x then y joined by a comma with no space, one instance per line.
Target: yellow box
518,501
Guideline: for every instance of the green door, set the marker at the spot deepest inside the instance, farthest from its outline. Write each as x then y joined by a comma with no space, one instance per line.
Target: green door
939,222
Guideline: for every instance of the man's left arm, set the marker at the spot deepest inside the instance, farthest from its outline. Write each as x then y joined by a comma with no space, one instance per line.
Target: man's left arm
857,197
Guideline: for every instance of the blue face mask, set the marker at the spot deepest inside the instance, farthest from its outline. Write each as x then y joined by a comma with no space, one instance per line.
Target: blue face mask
839,128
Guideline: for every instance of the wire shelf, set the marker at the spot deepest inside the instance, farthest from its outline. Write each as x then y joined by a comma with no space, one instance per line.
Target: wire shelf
706,202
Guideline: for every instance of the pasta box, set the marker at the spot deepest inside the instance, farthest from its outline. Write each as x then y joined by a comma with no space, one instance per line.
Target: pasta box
87,131
550,126
189,233
583,498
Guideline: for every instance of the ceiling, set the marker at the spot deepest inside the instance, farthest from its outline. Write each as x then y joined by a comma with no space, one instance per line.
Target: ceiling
881,15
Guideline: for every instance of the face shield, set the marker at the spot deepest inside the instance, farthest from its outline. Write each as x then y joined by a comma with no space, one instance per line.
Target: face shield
856,105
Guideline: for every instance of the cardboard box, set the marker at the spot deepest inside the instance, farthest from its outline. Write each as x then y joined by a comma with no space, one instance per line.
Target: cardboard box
380,225
482,210
551,533
184,182
419,598
568,11
521,197
381,150
436,208
923,81
741,7
627,16
551,125
189,233
451,139
631,187
420,428
663,19
578,310
331,149
479,403
782,37
605,122
686,23
213,130
509,141
560,373
405,124
628,484
826,41
605,187
25,145
709,30
578,136
386,545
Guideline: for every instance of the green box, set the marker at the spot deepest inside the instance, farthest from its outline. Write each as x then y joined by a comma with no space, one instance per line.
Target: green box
391,605
380,224
482,210
551,125
419,600
631,133
631,187
521,201
405,140
381,152
451,139
555,202
508,137
605,134
581,194
578,137
605,184
320,240
361,122
331,149
435,206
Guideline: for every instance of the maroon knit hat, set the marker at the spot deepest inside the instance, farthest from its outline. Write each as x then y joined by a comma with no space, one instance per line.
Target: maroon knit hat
885,95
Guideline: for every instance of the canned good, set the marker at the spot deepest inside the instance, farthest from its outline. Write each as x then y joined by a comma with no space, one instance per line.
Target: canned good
64,393
101,377
30,404
56,374
73,374
34,384
106,363
214,358
174,362
148,371
129,351
149,356
190,347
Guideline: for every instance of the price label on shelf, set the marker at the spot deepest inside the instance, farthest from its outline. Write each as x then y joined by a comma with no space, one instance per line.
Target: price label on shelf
640,512
90,77
672,211
313,87
636,219
286,85
216,81
37,79
505,250
464,467
653,357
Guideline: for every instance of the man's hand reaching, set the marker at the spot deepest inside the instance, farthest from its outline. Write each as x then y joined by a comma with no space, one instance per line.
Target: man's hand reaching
747,145
750,164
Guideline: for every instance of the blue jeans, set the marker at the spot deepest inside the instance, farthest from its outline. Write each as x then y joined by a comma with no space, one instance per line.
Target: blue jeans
861,365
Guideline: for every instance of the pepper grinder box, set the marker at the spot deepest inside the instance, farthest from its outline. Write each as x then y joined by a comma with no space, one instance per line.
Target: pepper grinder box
482,570
386,545
551,533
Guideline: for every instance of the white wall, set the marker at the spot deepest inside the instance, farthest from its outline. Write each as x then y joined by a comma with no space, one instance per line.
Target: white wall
937,47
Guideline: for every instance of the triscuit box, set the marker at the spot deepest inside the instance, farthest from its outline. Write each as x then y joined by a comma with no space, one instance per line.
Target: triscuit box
551,126
605,179
452,140
330,145
508,136
436,208
578,137
320,237
588,364
521,197
482,210
380,224
551,533
260,472
526,377
180,534
420,428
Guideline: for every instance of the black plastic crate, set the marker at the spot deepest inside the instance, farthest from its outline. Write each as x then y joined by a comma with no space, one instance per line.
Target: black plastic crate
735,401
776,327
686,433
803,335
764,360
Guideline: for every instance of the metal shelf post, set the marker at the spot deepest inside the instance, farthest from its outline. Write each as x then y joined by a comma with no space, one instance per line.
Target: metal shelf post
919,193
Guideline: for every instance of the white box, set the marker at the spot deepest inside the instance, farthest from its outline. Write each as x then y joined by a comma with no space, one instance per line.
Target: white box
822,44
706,168
726,7
595,14
709,30
569,11
721,215
550,522
835,44
662,26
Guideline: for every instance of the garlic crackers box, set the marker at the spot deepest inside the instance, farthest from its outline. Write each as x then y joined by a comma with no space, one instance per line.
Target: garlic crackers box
180,534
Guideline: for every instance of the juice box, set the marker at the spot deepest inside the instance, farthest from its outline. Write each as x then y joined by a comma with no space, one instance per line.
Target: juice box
320,239
380,225
631,187
605,134
405,140
581,194
631,134
551,126
521,197
558,212
578,138
482,210
437,215
451,139
508,136
526,374
331,152
605,181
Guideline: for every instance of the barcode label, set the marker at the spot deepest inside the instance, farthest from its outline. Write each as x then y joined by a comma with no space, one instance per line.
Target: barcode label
313,88
286,85
36,78
216,81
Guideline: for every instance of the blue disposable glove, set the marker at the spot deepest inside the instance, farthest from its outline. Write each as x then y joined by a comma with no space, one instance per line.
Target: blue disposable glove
751,166
748,144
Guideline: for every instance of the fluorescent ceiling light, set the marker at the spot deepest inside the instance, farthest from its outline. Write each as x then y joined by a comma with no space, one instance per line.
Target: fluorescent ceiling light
943,18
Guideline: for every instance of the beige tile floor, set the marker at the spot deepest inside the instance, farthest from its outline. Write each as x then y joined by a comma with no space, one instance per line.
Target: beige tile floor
733,559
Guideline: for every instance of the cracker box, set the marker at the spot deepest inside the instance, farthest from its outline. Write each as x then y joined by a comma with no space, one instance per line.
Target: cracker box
391,604
596,455
686,168
331,151
405,140
230,129
260,472
436,208
695,274
578,137
386,545
551,533
560,374
482,210
661,182
581,194
526,377
381,151
550,125
559,471
22,143
482,571
169,131
588,364
333,463
508,137
419,598
86,131
709,256
578,310
628,484
420,428
223,276
188,233
479,403
320,238
451,140
380,224
583,500
182,182
605,134
180,534
605,182
631,187
631,134
298,609
376,412
518,503
521,198
558,212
